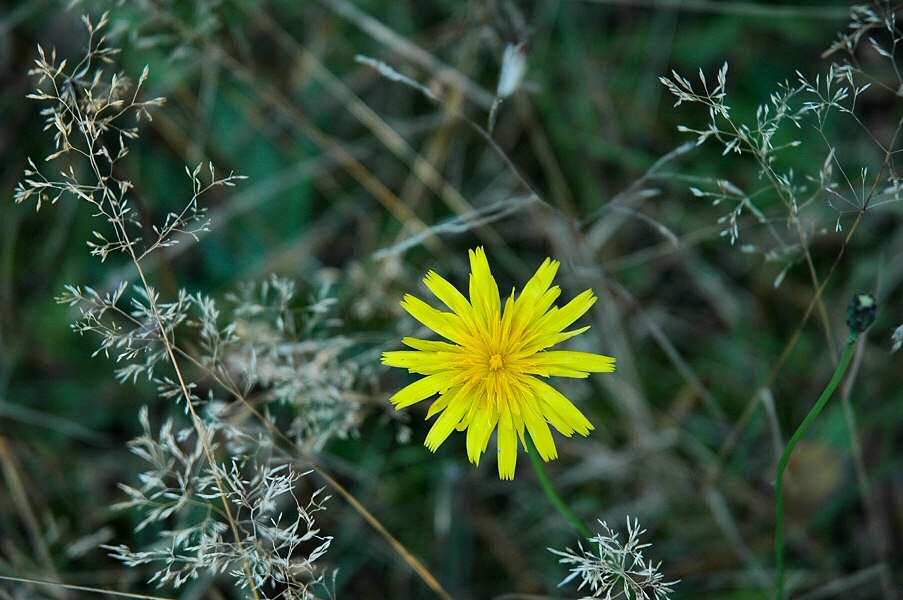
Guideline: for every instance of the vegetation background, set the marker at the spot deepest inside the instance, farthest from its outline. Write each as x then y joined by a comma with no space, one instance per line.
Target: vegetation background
346,166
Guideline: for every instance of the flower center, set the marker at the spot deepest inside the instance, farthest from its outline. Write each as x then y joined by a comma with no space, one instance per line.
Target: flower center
495,362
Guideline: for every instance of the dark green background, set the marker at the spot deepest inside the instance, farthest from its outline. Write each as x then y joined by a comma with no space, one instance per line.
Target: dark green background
591,118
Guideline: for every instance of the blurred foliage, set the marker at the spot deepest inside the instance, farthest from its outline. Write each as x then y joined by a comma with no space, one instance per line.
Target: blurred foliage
685,439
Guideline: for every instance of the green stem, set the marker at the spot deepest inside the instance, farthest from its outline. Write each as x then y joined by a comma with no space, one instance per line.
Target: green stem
554,498
785,458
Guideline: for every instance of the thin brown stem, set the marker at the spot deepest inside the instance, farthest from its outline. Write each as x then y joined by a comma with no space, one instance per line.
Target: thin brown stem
122,233
412,561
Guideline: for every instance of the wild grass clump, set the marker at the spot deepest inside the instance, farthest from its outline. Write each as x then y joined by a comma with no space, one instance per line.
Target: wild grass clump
277,541
612,568
220,495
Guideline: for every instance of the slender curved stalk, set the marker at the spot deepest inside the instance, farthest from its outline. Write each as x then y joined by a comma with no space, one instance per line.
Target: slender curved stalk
118,222
554,498
412,561
81,588
785,458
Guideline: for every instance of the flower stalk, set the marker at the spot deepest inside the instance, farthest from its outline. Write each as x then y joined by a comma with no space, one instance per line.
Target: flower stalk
556,500
860,315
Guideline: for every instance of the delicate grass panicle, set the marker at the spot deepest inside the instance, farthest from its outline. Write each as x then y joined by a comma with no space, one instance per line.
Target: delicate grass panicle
285,349
486,377
617,569
827,200
222,493
278,539
832,194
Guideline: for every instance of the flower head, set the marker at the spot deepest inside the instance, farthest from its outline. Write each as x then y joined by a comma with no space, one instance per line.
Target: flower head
487,374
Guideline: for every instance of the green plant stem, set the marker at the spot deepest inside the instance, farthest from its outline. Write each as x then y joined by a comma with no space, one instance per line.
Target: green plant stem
554,498
785,458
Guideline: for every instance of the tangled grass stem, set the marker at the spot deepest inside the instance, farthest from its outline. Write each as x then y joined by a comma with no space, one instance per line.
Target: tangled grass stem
409,558
785,458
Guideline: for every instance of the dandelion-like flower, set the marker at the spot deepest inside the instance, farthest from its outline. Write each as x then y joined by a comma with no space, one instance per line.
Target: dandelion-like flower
488,375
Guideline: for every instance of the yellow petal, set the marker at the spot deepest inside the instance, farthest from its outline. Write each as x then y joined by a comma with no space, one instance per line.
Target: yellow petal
440,403
430,345
448,325
567,362
507,441
450,295
541,280
536,297
559,411
484,292
478,431
447,421
542,304
552,371
490,428
558,318
538,341
557,338
420,390
425,363
539,432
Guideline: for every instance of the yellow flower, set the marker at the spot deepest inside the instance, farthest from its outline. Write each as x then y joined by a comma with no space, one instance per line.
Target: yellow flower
487,375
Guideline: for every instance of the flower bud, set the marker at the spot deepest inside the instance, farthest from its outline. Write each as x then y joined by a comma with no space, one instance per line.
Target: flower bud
861,313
